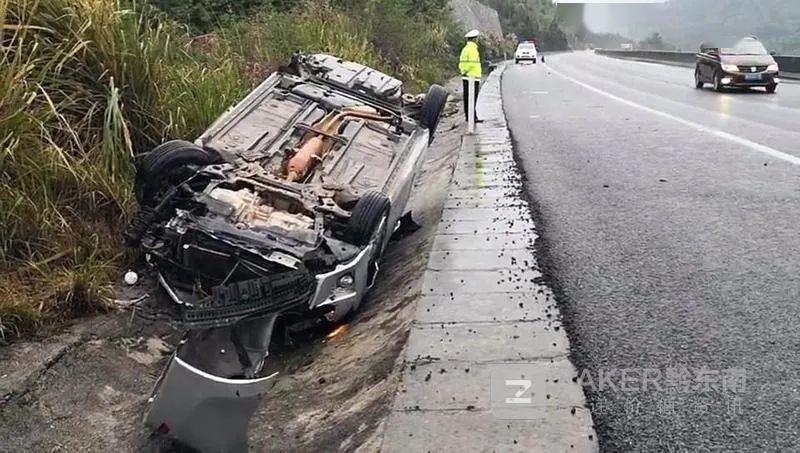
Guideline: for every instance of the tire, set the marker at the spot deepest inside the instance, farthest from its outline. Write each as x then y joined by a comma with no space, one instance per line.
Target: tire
771,88
698,82
432,108
365,217
162,167
516,61
717,83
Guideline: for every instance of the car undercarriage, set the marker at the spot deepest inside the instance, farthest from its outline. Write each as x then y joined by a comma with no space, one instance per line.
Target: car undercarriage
282,207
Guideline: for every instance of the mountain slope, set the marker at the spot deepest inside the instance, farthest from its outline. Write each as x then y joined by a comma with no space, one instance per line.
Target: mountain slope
686,23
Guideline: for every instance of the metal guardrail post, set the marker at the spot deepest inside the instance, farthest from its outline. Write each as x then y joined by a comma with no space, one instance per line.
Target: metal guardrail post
470,105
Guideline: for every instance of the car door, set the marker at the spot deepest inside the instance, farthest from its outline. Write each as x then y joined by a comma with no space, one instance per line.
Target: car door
702,64
711,65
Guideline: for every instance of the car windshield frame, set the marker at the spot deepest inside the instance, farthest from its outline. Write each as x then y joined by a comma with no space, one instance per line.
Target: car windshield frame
745,47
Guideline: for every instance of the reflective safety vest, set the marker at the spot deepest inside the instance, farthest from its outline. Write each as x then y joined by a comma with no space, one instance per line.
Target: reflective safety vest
470,63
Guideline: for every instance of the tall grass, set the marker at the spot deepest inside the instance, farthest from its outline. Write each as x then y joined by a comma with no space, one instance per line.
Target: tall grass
87,84
84,85
384,34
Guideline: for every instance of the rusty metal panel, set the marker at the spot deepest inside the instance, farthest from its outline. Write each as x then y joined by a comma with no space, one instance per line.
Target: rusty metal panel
252,127
370,156
357,77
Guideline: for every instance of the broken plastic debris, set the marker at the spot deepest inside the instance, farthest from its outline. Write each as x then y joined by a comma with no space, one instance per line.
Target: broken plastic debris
131,278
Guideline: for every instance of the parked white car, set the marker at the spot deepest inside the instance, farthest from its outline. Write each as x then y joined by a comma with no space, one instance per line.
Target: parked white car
526,51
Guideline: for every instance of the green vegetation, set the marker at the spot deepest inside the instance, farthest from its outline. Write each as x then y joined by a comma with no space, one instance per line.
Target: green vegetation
87,84
84,84
654,42
531,19
202,16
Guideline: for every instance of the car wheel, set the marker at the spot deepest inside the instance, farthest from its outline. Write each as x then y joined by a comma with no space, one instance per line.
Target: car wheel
166,165
369,225
516,61
771,88
698,81
717,82
432,109
366,216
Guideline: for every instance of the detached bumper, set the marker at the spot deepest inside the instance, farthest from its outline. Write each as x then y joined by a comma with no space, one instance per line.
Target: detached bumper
204,411
211,386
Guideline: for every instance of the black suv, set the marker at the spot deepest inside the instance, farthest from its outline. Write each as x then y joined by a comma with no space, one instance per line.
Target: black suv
746,64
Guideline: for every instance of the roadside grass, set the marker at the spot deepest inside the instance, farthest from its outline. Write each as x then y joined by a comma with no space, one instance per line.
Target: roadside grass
85,85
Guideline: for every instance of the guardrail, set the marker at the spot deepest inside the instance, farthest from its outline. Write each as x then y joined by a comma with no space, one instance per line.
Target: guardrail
787,63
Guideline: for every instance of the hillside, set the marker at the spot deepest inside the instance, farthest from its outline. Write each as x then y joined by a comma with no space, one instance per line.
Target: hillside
531,19
474,14
687,23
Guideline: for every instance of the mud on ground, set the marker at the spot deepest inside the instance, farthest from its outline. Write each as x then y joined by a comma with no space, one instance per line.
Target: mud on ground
86,389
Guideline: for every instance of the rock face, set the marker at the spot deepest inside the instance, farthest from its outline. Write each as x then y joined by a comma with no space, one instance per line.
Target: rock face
474,14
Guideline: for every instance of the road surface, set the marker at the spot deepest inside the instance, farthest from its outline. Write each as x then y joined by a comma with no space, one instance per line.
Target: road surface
670,232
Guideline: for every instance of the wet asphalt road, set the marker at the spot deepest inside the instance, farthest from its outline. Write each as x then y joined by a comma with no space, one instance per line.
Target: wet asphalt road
670,232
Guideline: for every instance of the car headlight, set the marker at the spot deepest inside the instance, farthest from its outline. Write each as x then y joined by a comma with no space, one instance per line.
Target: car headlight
345,281
773,67
730,68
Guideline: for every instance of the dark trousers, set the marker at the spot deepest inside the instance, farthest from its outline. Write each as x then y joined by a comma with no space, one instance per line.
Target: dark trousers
465,83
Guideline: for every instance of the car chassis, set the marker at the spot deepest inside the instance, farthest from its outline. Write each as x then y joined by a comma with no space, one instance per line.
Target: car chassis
283,207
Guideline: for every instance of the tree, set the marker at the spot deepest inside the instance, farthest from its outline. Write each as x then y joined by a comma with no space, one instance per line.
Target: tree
655,42
531,19
201,16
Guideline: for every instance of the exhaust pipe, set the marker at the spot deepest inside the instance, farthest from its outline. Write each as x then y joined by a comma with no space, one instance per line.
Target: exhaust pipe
319,140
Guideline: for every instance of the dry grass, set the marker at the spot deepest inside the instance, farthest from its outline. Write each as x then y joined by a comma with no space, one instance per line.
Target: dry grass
84,84
87,84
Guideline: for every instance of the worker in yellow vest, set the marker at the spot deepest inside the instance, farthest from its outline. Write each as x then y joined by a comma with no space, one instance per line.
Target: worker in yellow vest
469,66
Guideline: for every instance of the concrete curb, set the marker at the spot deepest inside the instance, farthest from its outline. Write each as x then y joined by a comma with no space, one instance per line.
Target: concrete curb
485,319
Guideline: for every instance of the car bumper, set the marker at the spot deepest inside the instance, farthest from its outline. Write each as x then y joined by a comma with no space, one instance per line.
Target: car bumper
525,58
208,392
328,294
204,411
337,300
741,80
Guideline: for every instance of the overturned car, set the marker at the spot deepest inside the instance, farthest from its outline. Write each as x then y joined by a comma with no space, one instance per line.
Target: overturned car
282,207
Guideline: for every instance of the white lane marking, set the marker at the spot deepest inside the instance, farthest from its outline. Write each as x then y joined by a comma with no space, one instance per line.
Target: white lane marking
534,117
710,130
536,92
